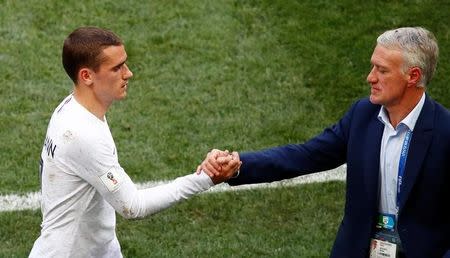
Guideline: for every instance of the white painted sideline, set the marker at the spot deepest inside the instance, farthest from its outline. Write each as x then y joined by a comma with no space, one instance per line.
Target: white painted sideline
31,201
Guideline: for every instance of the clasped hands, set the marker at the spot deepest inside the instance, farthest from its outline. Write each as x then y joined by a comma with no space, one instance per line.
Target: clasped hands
220,165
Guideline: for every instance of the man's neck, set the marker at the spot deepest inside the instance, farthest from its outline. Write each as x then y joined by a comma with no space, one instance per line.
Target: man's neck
398,112
88,100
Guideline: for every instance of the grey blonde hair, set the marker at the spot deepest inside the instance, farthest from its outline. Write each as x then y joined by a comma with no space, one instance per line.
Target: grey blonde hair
419,47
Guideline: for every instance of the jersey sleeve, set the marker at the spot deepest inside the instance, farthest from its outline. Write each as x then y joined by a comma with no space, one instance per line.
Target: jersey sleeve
96,163
131,202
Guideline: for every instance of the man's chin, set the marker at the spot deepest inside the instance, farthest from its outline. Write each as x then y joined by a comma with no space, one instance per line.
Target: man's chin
374,100
121,97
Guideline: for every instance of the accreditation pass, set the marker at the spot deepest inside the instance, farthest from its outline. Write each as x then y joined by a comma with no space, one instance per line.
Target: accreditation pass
382,249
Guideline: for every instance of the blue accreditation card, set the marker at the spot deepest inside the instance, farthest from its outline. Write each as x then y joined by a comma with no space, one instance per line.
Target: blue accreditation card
386,221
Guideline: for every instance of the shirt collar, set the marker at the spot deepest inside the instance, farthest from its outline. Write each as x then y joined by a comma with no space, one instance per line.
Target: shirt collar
410,120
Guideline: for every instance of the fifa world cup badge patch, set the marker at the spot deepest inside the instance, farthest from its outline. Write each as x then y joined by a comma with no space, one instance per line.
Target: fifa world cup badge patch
112,179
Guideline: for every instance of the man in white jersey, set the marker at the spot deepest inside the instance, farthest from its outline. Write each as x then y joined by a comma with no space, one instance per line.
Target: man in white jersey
83,184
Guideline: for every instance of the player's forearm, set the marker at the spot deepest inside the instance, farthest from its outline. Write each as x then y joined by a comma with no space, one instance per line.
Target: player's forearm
152,200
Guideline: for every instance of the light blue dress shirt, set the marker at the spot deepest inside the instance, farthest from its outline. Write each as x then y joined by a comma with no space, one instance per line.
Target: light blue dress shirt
391,146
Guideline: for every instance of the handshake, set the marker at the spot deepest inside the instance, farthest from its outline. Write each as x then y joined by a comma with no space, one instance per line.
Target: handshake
220,165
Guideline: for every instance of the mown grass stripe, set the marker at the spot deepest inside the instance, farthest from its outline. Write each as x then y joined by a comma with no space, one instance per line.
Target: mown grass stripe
31,201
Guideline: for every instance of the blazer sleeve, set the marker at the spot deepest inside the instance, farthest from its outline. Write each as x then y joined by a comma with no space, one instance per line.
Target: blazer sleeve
323,152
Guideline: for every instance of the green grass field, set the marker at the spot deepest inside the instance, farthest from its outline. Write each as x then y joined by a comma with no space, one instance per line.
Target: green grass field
237,75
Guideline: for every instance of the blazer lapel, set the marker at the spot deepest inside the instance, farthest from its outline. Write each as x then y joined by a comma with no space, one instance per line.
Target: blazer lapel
372,157
420,142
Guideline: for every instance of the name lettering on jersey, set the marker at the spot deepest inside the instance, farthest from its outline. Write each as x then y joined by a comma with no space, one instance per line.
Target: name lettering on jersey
49,146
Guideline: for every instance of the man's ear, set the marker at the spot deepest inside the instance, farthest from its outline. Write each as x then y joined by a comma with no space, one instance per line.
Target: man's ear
85,76
415,75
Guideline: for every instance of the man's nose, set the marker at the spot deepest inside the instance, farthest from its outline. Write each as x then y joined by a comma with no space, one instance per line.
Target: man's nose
371,78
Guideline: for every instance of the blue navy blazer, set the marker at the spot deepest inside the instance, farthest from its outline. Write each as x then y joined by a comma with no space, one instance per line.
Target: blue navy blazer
424,211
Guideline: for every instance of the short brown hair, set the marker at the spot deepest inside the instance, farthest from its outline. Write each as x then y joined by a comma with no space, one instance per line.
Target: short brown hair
83,48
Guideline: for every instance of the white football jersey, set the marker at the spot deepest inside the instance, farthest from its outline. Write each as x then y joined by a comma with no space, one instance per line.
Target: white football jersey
83,185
